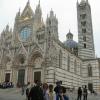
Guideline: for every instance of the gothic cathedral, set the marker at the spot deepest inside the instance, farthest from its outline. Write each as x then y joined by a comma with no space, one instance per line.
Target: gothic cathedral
32,50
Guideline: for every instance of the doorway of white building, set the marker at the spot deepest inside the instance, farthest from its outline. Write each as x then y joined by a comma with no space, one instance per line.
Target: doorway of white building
37,76
90,86
7,77
21,77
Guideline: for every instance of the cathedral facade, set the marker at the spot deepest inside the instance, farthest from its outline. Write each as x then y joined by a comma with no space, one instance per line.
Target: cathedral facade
32,50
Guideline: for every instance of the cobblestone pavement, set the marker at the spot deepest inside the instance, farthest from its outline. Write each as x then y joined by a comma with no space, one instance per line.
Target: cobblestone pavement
90,97
11,94
15,94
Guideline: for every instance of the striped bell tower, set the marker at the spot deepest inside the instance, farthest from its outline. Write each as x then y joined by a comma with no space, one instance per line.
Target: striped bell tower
85,31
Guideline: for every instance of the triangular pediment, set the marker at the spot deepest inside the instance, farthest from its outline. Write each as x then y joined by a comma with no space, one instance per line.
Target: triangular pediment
27,12
37,48
22,50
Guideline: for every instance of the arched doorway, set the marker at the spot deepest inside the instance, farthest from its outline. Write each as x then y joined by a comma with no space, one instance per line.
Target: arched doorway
90,86
21,69
21,77
8,70
36,62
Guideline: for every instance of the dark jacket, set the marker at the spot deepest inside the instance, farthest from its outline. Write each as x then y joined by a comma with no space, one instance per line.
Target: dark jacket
36,93
57,89
79,91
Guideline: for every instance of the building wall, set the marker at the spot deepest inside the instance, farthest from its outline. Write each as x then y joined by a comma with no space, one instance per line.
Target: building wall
95,78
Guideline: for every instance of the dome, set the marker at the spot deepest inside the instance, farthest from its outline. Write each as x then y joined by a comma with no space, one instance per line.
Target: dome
71,44
83,1
69,36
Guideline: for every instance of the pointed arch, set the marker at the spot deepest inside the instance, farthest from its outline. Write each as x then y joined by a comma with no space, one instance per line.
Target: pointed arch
68,63
27,12
35,53
60,58
19,59
6,59
75,66
81,69
90,70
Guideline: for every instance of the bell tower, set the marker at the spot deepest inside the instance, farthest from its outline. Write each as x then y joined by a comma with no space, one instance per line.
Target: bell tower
85,31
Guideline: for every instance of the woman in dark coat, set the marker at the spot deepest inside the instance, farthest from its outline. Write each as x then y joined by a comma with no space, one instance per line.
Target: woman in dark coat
79,93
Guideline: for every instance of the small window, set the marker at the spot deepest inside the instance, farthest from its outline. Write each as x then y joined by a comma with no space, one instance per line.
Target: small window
75,66
83,30
84,38
84,45
83,23
49,31
49,22
83,16
89,71
40,36
68,62
60,58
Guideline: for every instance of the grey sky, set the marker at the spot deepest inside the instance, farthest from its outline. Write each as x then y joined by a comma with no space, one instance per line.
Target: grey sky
65,11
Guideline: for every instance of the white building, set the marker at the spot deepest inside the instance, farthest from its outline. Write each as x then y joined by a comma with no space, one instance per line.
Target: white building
33,50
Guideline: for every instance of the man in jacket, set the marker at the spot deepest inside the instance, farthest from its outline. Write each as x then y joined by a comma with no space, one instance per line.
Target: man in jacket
36,93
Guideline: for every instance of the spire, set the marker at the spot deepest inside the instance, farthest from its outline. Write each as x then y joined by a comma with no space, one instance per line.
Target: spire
38,8
87,1
19,12
51,12
28,2
77,2
27,12
39,3
69,30
7,28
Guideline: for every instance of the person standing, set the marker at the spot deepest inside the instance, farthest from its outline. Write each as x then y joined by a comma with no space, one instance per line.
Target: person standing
28,91
36,93
79,93
64,94
51,93
45,91
58,91
85,93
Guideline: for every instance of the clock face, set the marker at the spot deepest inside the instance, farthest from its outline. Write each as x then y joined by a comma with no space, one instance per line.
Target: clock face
25,33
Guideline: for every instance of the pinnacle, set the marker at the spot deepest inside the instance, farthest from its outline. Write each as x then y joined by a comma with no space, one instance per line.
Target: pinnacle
28,2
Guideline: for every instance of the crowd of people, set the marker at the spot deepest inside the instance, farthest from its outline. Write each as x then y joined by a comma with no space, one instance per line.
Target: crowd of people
46,92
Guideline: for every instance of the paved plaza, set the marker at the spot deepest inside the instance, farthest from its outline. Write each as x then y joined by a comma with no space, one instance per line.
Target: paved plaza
15,94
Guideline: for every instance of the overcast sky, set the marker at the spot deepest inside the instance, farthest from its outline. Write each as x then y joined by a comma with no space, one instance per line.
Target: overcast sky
65,11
